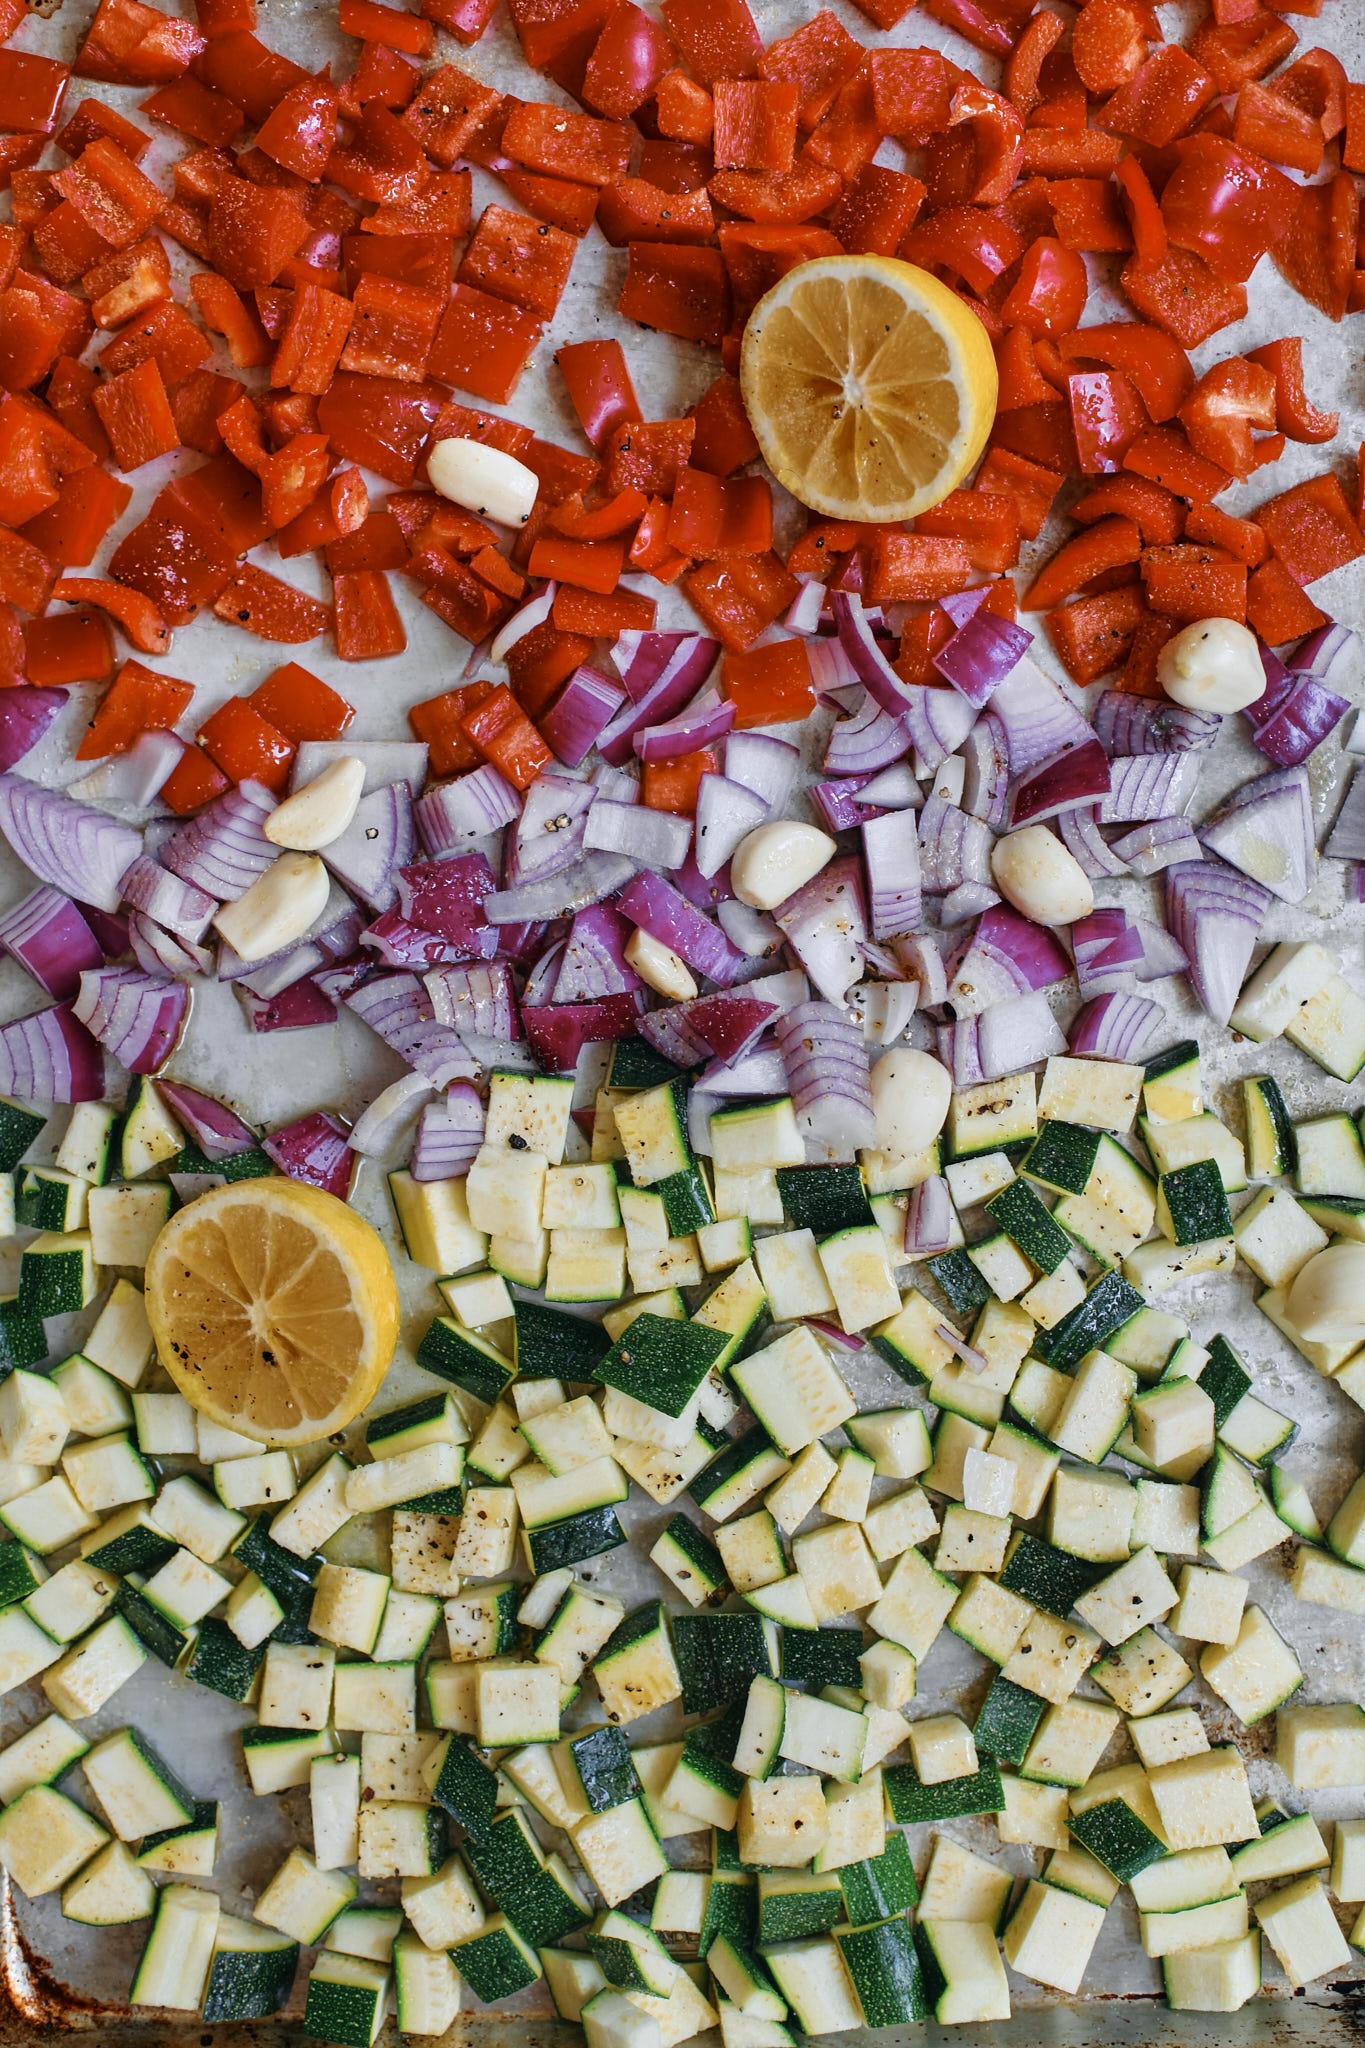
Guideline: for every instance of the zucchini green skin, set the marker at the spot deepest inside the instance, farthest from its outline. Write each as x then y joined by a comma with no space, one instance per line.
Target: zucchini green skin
152,1629
343,2013
886,1971
533,1901
1028,1224
961,1282
1270,1129
1111,1303
1224,1379
205,1817
22,1338
825,1199
273,1565
1008,1721
718,1656
18,1129
252,1164
796,1915
661,1362
822,1656
1051,1578
380,1428
454,1354
251,1984
466,1788
1063,1156
553,1344
601,1757
699,1552
731,1909
686,1199
1196,1202
881,1885
911,1800
738,1452
221,1663
636,1064
1183,1055
444,1500
577,1537
1116,1838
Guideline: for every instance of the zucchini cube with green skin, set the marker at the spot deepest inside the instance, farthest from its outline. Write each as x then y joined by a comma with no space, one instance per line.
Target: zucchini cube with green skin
1051,1936
662,1363
92,1671
690,1561
910,1343
251,1973
795,1391
302,1901
619,1850
782,1822
964,1978
347,1996
1110,1303
72,1600
635,1668
1191,1203
1257,1673
1270,1145
34,1423
45,1838
110,1891
1301,1927
761,1136
176,1960
52,1200
136,1788
19,1127
793,1277
1330,1028
189,1850
910,1800
599,1765
885,1970
631,1956
57,1274
40,1756
1007,1721
25,1649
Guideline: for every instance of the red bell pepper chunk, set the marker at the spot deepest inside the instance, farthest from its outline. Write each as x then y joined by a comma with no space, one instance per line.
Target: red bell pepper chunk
128,43
684,110
1227,402
680,291
442,207
921,639
1093,635
1020,381
1026,60
651,550
1162,100
92,119
912,92
32,89
137,417
630,59
713,517
634,210
724,441
1145,218
576,520
1353,139
164,334
110,192
1226,205
246,746
1109,44
299,132
673,785
377,543
1059,152
504,735
447,112
466,20
193,782
292,477
1317,252
754,124
648,456
1139,674
756,256
790,196
196,110
905,567
69,532
567,145
1182,295
439,722
1295,414
589,564
1277,609
985,523
1110,544
587,612
391,26
224,311
383,160
998,135
138,701
1311,528
524,261
1241,538
1272,126
70,647
1190,582
1087,214
849,134
300,705
599,387
339,508
1163,455
253,231
392,328
368,627
1049,292
542,660
1158,514
379,422
877,211
1107,415
261,604
482,344
424,260
1040,433
1030,486
311,345
556,200
818,58
719,38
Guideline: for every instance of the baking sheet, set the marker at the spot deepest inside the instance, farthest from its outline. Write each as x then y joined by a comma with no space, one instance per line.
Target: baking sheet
60,1973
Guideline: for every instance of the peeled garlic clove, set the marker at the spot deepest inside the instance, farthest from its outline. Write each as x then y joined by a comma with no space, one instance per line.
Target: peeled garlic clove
319,812
911,1092
1037,875
484,480
1213,665
772,862
1327,1301
277,909
659,967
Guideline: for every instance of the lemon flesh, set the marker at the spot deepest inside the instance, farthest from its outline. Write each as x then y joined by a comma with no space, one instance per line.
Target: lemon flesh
275,1309
869,385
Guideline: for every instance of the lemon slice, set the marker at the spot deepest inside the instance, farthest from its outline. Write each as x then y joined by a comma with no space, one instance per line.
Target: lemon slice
274,1309
870,386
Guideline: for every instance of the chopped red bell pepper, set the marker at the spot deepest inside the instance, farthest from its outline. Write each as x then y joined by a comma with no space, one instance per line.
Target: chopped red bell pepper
138,701
684,110
1158,514
253,232
482,344
754,124
1162,100
769,685
439,721
195,110
787,196
589,564
504,735
719,38
985,523
1311,528
651,551
575,519
540,662
273,610
1241,538
69,532
1164,455
1040,433
1025,61
1049,292
1219,414
1058,152
1110,544
1152,362
1143,210
677,290
978,247
70,647
524,261
367,625
1031,486
1226,205
1107,415
1295,414
1277,609
673,785
921,639
633,210
1192,582
1087,215
818,58
1236,50
393,327
314,336
712,517
587,612
1182,295
740,597
599,387
724,440
567,145
192,783
1273,127
1094,634
648,456
877,210
1109,43
300,705
905,567
32,89
377,543
1317,252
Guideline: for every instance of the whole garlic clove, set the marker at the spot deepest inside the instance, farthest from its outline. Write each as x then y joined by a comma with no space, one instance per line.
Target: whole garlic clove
911,1092
1326,1303
319,812
772,862
1040,877
484,480
1213,665
278,908
659,967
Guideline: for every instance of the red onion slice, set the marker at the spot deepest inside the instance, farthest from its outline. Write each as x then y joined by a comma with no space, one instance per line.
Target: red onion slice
661,910
1007,956
870,665
478,999
380,838
986,780
132,778
158,951
397,943
300,1007
1214,913
47,935
25,715
217,1130
1079,831
891,859
1039,719
921,957
447,897
1078,775
580,713
384,761
953,846
1266,831
642,657
1158,844
558,1033
1016,1034
826,1060
594,963
1143,786
315,1149
726,813
137,1017
839,803
449,1134
535,612
378,1128
871,739
1346,841
699,724
967,900
983,651
224,849
762,1072
170,899
84,853
681,676
1116,1026
50,1057
938,721
398,1009
1129,724
763,764
825,924
589,880
931,1223
453,813
651,839
975,1361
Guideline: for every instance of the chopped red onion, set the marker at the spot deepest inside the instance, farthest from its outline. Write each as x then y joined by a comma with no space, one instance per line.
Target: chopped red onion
217,1130
384,761
919,954
617,785
1039,719
938,721
535,612
661,910
378,1128
827,1066
728,1027
961,605
751,931
966,901
839,803
1346,841
25,715
136,1017
1158,844
1079,831
1108,951
803,613
400,944
884,1008
398,1010
590,880
582,710
380,838
475,998
81,852
1302,718
931,1223
667,1032
1116,1026
953,846
549,834
447,897
673,685
726,813
158,951
540,983
1129,724
558,1033
1143,786
300,1007
833,675
110,929
131,778
315,1149
471,807
870,664
1266,831
336,983
762,1072
1325,654
1015,1034
981,653
699,724
651,839
958,1047
642,657
1008,956
825,923
223,849
893,789
170,899
594,963
1078,775
763,764
1161,954
449,1134
986,771
50,1057
870,740
891,859
975,1361
48,936
1214,913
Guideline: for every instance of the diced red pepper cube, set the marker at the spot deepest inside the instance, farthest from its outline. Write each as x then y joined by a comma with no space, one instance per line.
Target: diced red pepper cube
246,746
524,261
300,705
